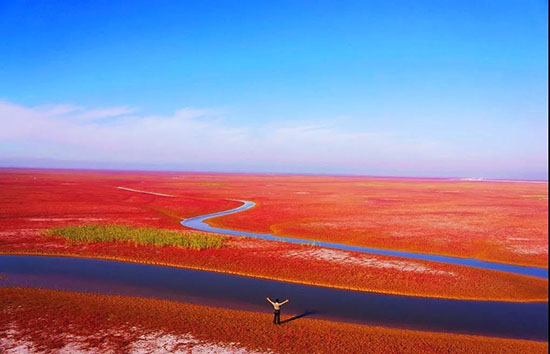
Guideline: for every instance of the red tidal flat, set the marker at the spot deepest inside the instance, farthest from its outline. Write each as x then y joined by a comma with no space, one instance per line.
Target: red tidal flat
495,221
32,201
53,320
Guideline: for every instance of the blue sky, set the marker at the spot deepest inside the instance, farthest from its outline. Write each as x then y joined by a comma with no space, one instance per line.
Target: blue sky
424,88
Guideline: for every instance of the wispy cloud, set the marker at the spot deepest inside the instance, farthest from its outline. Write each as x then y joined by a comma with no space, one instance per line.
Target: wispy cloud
73,112
202,138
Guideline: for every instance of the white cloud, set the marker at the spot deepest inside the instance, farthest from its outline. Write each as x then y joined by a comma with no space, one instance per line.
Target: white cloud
197,137
103,113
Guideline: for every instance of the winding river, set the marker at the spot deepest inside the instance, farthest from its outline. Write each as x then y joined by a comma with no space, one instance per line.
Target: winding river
199,223
491,318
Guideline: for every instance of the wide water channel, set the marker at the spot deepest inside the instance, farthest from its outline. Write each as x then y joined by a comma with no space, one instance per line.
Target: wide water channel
503,319
199,223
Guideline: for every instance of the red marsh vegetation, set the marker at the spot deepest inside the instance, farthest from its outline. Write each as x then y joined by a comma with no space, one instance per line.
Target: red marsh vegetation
47,320
34,201
493,221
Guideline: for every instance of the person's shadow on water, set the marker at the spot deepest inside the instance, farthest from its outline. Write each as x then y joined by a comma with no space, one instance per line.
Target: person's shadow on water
306,313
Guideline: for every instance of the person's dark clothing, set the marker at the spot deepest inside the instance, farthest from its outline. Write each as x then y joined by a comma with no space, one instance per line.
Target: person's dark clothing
277,316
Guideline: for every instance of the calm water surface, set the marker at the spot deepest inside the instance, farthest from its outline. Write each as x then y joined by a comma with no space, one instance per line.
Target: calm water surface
515,320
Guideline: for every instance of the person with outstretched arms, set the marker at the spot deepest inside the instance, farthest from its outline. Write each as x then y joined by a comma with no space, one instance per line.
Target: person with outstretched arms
276,309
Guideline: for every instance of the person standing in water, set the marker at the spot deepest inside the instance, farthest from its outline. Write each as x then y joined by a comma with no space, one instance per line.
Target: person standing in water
276,309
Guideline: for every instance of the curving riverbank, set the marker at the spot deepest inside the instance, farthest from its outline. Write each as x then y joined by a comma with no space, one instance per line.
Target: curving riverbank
94,321
501,319
199,223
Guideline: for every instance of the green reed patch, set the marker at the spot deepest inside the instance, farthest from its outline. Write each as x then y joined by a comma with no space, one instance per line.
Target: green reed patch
138,235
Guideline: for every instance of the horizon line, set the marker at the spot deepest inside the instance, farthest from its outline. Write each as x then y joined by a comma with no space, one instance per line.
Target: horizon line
305,174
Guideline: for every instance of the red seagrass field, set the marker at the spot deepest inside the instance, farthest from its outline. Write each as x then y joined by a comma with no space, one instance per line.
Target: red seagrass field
508,222
504,221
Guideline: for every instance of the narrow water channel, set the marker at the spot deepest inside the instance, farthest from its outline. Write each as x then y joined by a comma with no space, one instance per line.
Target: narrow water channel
502,319
199,223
